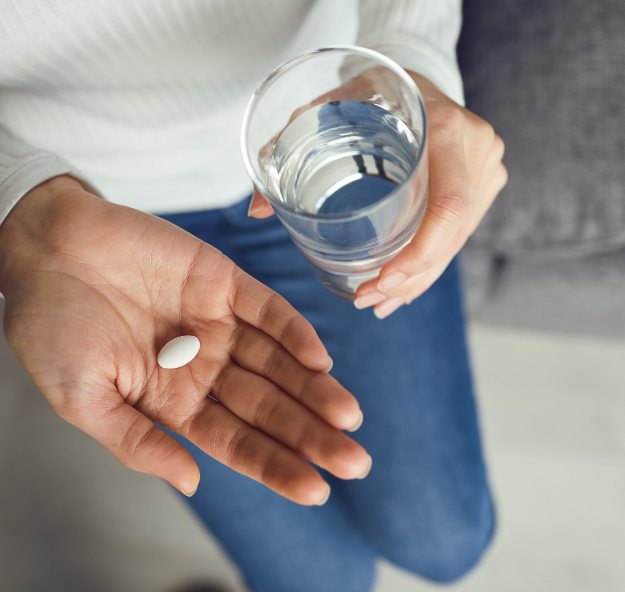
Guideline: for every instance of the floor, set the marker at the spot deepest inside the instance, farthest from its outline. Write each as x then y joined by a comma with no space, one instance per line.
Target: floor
553,410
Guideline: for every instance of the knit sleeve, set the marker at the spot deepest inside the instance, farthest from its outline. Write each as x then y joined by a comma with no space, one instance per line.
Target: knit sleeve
420,35
23,167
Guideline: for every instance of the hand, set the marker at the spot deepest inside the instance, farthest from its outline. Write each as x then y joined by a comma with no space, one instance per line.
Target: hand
466,174
93,291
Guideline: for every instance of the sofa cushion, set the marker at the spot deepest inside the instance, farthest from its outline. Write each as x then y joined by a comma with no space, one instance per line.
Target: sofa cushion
550,76
584,296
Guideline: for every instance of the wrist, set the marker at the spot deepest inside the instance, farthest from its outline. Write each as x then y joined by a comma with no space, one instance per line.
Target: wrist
426,86
30,223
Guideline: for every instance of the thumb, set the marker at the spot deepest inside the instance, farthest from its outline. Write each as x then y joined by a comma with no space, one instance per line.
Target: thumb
444,221
259,207
137,443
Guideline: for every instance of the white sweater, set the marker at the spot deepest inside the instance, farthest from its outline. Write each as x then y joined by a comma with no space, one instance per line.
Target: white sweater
143,99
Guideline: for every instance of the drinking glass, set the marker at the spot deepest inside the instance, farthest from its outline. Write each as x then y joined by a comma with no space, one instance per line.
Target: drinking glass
335,140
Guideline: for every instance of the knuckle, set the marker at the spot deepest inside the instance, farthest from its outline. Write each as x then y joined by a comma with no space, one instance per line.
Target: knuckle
423,258
504,171
305,441
224,380
235,446
446,126
451,209
289,328
486,130
266,409
446,116
500,146
135,438
272,471
309,384
272,362
264,312
505,176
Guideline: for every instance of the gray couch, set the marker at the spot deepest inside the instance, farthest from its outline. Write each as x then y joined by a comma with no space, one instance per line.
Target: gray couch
550,76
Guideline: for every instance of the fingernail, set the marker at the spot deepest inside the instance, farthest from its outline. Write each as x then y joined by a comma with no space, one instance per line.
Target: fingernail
369,299
326,496
368,469
253,210
331,365
387,307
358,423
392,280
189,490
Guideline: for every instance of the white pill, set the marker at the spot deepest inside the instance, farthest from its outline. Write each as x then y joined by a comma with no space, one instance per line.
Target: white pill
178,351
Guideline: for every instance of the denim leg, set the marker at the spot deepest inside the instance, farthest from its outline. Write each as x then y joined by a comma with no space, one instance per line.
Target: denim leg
278,545
426,505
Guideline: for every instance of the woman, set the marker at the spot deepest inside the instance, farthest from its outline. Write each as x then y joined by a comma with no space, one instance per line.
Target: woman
140,103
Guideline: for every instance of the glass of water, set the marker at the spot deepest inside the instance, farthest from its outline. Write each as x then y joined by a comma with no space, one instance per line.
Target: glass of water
335,139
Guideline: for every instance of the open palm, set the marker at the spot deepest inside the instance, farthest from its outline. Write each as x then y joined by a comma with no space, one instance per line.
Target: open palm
97,289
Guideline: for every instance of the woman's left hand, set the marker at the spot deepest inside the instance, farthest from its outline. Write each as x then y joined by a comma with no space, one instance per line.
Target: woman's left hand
466,173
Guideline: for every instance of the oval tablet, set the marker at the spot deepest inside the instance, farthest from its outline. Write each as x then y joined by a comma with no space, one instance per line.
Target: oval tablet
178,351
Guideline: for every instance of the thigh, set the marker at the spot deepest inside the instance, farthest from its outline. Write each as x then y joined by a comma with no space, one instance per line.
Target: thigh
426,503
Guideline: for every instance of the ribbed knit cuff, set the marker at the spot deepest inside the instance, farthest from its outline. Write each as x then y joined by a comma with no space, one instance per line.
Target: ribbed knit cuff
29,173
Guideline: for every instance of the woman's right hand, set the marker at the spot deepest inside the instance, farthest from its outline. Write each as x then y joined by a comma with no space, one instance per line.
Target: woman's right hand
93,291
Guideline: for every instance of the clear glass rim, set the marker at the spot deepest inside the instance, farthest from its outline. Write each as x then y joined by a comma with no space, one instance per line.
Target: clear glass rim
289,65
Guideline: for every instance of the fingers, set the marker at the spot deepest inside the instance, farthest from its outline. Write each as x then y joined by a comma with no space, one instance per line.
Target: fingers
231,441
386,303
445,216
265,406
459,198
261,307
259,207
413,288
318,391
135,441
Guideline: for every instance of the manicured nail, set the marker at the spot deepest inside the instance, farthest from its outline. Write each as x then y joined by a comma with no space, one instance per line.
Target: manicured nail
358,423
368,469
188,489
326,496
331,365
387,307
391,281
369,299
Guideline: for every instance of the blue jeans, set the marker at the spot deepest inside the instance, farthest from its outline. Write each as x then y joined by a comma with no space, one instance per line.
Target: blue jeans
426,504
